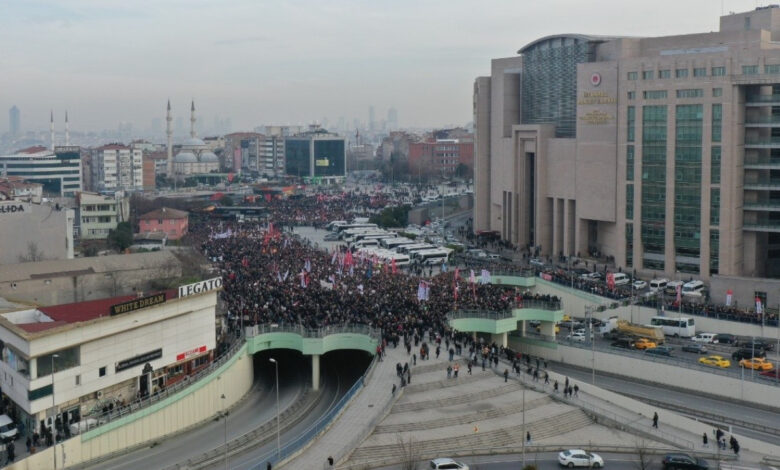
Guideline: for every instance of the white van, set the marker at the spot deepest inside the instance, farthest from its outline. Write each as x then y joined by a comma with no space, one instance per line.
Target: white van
621,279
704,337
671,287
8,429
658,285
693,289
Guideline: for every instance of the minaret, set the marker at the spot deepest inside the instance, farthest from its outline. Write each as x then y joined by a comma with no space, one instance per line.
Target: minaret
192,120
169,132
51,130
67,130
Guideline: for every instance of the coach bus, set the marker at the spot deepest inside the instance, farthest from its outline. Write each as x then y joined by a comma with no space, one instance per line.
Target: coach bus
676,326
432,257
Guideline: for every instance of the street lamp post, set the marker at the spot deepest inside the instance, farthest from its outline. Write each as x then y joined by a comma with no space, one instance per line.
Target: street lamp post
224,416
54,414
278,441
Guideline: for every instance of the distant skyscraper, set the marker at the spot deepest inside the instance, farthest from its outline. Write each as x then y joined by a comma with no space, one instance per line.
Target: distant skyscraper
371,118
14,120
392,119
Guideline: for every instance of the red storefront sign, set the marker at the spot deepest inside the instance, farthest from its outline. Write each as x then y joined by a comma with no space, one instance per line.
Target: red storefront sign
191,352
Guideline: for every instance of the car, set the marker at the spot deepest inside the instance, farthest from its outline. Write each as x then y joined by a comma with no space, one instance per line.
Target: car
331,237
715,361
579,458
577,336
724,338
644,343
639,284
704,338
757,363
770,375
448,464
757,344
536,262
8,431
659,351
694,348
744,353
625,343
683,462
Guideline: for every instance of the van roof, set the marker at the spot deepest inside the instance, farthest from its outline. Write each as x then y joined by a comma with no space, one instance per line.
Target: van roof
658,281
4,419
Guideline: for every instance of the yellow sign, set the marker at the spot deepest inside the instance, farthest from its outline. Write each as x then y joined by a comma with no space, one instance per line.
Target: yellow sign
322,162
137,304
596,117
596,97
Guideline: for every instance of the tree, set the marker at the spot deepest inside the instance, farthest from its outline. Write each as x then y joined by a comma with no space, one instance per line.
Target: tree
33,253
408,452
122,237
644,460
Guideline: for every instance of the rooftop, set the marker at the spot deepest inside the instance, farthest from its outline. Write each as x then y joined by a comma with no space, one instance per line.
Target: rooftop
165,213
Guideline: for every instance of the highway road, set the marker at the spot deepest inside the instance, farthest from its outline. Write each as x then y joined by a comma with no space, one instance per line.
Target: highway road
659,392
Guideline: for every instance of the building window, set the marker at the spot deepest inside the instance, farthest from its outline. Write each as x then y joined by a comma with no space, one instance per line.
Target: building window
630,163
78,379
648,75
632,75
716,92
772,68
687,188
717,122
175,370
629,245
655,94
67,359
665,73
750,70
653,201
102,371
629,201
714,251
681,73
200,361
715,165
718,71
700,72
690,93
631,120
714,206
631,95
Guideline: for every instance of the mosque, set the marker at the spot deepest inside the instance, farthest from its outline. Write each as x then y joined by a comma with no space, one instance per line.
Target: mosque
193,157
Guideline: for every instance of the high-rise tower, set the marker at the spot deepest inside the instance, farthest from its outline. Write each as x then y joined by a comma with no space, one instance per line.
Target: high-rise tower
67,130
51,130
169,134
14,121
192,120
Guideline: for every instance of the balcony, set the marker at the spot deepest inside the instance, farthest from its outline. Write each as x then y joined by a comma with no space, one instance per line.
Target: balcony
763,121
768,184
762,100
768,206
762,163
762,142
762,226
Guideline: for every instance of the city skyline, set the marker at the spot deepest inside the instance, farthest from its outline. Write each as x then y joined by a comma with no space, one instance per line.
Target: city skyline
306,61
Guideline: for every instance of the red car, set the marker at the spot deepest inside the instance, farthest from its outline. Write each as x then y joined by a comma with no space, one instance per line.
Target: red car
770,375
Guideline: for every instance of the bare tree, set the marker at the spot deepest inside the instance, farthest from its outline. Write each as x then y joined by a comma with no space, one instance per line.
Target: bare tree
33,253
644,457
408,452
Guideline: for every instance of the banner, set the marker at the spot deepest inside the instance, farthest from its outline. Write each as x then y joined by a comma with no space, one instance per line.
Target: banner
611,280
729,297
759,306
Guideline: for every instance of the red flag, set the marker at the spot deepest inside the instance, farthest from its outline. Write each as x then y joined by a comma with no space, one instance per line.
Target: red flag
395,268
348,258
245,262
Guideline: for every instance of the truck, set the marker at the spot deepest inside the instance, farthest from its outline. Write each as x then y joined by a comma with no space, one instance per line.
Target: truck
608,325
624,328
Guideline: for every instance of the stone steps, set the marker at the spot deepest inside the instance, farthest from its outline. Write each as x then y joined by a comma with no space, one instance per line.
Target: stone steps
451,382
541,429
456,400
463,419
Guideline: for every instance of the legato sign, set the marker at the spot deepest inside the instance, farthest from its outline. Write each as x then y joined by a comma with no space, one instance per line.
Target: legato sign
200,287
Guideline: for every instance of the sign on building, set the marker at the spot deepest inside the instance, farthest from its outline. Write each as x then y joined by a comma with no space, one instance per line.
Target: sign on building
200,287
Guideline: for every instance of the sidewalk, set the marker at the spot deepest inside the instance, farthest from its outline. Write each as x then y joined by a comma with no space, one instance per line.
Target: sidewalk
359,417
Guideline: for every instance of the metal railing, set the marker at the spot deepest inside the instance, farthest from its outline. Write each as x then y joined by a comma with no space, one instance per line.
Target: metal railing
762,99
121,412
476,313
256,330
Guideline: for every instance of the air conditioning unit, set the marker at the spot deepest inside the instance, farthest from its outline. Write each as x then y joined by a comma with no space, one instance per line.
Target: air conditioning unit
99,394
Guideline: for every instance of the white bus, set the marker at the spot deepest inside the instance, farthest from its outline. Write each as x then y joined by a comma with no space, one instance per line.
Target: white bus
349,235
676,326
332,226
391,243
372,234
409,249
344,227
432,257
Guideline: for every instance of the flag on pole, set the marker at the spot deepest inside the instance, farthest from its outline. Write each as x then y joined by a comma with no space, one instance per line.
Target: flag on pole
335,255
759,306
303,278
395,268
729,297
678,289
348,258
307,265
611,280
472,278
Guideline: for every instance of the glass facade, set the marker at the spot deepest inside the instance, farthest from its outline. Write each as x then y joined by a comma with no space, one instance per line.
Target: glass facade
329,157
715,165
629,245
653,185
687,188
717,122
297,157
681,73
714,251
665,73
655,95
714,206
700,72
773,68
631,124
718,71
629,201
549,82
630,163
750,70
690,93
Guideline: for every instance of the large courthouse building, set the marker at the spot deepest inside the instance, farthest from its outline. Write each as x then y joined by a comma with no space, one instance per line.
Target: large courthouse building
663,153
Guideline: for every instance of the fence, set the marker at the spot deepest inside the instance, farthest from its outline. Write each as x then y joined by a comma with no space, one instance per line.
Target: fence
550,305
256,330
121,412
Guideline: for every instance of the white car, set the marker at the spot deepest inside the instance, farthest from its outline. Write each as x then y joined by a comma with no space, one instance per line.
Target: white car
448,464
577,336
579,458
639,284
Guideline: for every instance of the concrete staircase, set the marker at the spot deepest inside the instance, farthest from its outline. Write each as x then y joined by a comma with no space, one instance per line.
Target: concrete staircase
541,429
463,419
451,382
457,400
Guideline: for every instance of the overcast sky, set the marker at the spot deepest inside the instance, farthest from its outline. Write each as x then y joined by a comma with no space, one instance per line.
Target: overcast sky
289,61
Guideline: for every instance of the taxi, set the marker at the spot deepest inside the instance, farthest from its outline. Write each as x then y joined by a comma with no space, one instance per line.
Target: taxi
644,343
715,361
757,363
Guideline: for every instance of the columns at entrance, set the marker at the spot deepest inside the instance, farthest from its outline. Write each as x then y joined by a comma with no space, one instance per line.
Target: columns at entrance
499,338
315,372
548,328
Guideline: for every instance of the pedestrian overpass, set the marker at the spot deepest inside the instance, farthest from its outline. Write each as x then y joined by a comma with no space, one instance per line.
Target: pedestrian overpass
312,342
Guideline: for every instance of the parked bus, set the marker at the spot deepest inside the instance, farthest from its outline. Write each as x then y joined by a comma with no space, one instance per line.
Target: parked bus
344,227
432,257
332,226
409,249
676,326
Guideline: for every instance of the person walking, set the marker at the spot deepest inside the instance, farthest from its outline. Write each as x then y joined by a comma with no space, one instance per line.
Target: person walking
414,359
393,391
576,390
506,375
655,420
704,439
528,437
555,387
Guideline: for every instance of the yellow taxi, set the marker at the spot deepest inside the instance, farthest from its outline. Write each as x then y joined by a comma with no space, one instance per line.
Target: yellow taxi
715,361
756,363
644,343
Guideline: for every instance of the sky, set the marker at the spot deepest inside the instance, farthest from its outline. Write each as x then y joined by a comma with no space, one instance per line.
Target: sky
289,61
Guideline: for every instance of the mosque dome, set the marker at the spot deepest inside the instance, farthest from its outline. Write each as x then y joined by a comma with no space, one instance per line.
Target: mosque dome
185,157
193,142
208,157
